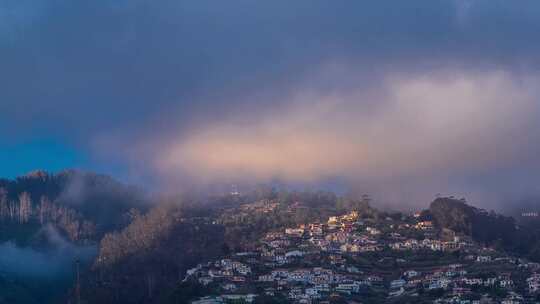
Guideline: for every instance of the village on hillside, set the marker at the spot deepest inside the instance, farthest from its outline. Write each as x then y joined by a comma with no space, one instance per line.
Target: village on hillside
352,259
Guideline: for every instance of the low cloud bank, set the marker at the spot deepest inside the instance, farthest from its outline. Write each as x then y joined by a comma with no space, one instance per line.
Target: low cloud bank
55,261
411,125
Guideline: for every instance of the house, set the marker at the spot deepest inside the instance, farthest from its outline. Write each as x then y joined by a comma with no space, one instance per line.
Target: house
424,225
347,227
296,232
332,220
473,281
209,300
273,236
214,273
450,273
483,259
413,283
321,279
295,293
340,237
322,271
395,236
348,288
532,266
280,259
238,279
397,283
279,243
533,283
247,298
316,230
228,286
370,248
224,263
294,253
300,275
436,246
280,273
320,288
460,291
270,291
205,280
506,283
439,283
374,279
313,293
241,268
349,248
373,231
490,281
353,269
411,273
266,278
351,217
450,246
513,298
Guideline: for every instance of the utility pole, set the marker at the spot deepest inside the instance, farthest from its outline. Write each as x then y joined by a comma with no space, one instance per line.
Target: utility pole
78,282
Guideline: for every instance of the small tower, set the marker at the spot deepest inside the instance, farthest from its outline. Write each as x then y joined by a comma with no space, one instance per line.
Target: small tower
234,190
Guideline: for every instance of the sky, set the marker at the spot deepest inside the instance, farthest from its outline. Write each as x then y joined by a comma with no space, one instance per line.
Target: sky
401,99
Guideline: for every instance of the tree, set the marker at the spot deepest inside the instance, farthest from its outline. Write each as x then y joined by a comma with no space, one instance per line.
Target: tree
25,207
44,209
4,209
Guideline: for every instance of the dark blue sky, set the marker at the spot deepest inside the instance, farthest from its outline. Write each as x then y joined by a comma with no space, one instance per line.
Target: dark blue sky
375,93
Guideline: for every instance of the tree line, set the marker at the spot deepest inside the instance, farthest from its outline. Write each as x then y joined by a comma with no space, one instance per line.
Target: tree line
25,211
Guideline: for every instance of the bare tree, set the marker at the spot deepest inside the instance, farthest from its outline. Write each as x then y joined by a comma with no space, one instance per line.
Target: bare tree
44,210
4,209
25,207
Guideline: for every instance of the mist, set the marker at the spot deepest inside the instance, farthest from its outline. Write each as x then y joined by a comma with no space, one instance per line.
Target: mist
54,261
419,130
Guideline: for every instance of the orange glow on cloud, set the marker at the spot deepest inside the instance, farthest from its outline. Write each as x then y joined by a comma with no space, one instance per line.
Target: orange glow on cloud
418,124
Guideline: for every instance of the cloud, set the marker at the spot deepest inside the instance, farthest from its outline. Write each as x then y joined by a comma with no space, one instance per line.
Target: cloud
143,61
412,124
54,261
206,90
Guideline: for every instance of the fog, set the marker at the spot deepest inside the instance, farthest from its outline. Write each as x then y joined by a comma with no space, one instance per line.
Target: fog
55,260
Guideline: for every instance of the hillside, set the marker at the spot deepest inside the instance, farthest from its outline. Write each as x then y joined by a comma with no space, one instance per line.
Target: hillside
47,221
84,206
144,262
485,227
135,252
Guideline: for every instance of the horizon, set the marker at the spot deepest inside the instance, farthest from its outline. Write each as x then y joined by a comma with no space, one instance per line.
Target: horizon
243,190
